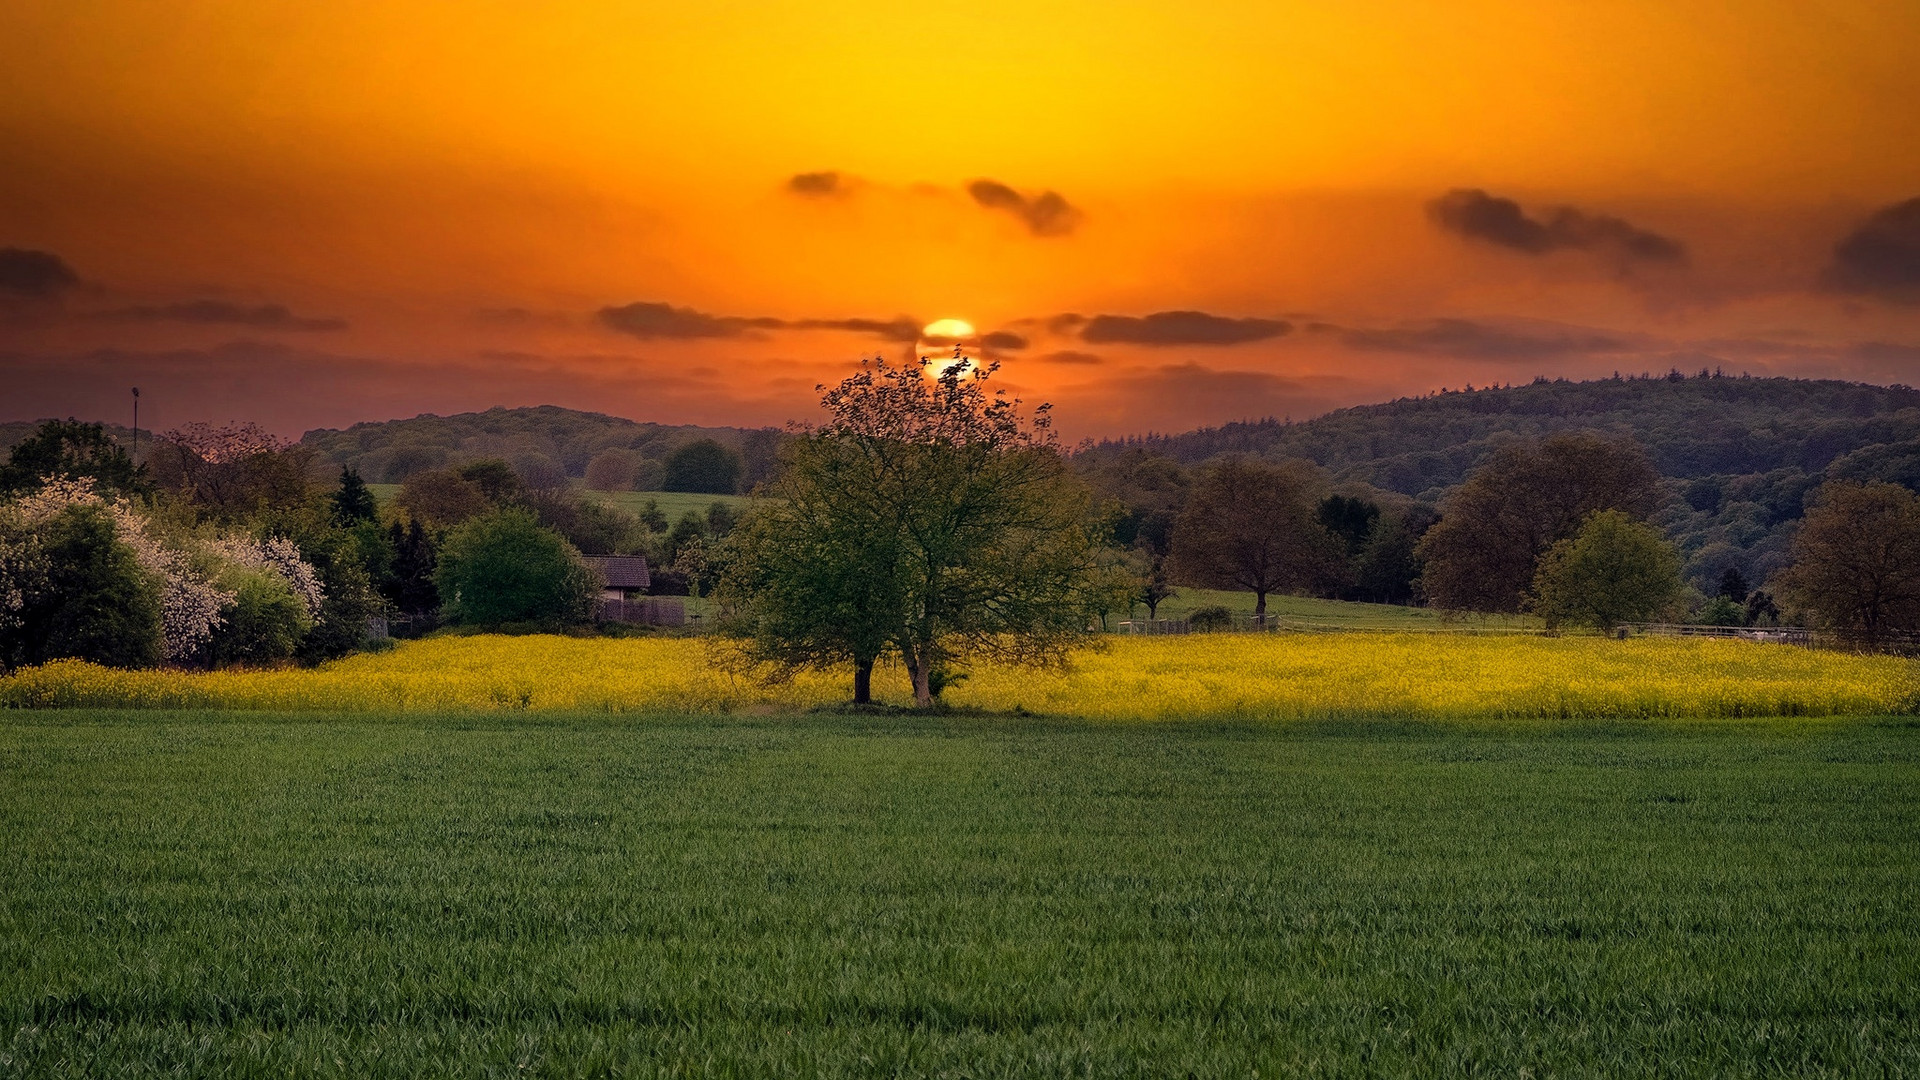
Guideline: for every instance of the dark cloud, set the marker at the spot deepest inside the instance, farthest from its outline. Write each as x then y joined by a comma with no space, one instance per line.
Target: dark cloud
652,320
816,185
1173,328
220,312
1474,214
1467,339
1070,356
1189,395
1045,214
37,275
1885,352
899,328
1003,339
1882,255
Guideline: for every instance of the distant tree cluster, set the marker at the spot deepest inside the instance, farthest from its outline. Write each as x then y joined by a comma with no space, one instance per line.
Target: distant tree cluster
549,446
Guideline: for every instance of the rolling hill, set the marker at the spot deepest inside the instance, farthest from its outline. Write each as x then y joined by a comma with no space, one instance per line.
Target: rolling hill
1740,454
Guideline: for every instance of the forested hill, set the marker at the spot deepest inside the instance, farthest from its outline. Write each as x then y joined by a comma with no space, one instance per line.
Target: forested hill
1694,427
539,439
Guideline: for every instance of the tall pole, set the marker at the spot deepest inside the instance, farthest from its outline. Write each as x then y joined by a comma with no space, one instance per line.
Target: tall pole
136,425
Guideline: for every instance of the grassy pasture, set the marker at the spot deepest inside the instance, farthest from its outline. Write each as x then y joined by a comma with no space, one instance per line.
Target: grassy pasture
1342,614
404,895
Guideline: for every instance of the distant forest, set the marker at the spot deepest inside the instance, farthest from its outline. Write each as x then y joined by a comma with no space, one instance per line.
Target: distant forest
1740,454
546,440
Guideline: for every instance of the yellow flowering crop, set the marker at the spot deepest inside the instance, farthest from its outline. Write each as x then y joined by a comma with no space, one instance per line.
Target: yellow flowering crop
1274,676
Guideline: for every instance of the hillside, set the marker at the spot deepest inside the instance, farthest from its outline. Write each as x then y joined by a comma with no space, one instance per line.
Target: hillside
1741,454
537,439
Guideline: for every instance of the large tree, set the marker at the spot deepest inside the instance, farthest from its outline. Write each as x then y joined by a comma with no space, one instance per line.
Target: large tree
72,450
1255,526
1526,497
1856,560
925,517
703,466
233,473
505,568
86,596
1614,570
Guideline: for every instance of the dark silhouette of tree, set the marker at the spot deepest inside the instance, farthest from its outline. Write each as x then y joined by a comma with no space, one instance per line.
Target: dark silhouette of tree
69,449
924,517
495,480
409,585
1733,586
441,498
1856,561
1350,520
703,466
1493,529
232,473
1387,569
1255,526
352,502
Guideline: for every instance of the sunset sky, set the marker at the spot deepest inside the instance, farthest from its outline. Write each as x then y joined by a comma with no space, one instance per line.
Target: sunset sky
1156,215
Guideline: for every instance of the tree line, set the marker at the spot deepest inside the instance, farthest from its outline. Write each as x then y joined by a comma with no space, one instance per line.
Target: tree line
221,548
927,520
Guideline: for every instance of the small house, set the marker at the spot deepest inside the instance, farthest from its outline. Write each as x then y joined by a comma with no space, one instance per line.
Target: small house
624,598
626,575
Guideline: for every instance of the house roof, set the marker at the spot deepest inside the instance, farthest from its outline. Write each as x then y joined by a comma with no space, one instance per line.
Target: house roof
622,571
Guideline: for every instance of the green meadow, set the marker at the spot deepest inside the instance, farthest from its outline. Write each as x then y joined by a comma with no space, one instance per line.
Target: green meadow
236,894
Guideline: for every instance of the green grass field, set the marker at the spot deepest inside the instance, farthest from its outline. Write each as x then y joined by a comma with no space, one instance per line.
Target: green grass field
1329,613
251,894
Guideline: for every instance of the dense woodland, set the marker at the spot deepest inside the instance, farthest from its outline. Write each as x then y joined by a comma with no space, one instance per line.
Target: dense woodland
1738,455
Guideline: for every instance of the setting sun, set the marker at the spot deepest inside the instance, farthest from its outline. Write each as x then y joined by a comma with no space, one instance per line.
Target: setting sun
947,328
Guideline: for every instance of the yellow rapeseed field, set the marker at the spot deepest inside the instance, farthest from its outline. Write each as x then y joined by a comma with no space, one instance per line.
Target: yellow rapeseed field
1276,676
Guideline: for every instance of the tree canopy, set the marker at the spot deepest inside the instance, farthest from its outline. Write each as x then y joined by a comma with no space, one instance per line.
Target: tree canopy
1529,495
1856,560
1614,570
505,568
1256,526
703,466
925,517
72,450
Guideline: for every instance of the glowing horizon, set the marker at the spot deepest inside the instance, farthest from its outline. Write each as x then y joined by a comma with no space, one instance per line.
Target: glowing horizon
1155,215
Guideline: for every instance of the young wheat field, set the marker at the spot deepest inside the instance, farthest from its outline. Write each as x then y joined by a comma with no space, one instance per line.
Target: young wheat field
411,894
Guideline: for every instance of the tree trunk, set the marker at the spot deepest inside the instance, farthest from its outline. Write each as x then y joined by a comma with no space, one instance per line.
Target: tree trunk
922,667
863,682
1260,602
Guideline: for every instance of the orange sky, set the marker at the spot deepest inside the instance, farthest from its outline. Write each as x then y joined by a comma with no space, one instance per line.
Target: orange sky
312,214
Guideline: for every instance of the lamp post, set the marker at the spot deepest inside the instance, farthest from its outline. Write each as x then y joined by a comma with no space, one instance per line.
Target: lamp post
136,424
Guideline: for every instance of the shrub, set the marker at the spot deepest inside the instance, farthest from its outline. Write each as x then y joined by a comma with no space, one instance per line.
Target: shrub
1213,617
264,622
1615,570
95,602
703,466
505,568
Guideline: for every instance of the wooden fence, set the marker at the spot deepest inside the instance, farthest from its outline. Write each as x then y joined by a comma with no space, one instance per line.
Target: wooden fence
645,610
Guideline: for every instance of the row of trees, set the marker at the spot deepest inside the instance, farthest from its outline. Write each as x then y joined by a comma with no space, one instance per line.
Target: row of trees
221,549
1560,526
926,519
